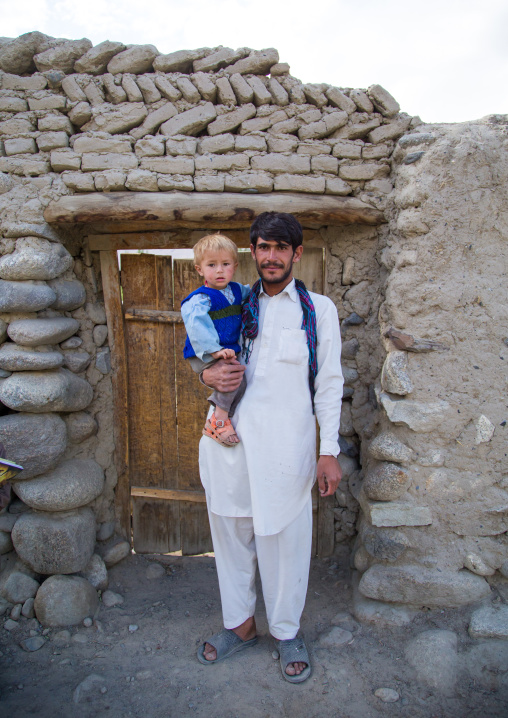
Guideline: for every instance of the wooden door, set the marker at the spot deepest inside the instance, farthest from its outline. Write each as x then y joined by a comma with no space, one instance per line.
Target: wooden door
164,405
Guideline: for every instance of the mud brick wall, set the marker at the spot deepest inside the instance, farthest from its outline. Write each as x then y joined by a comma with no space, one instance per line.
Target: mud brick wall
421,301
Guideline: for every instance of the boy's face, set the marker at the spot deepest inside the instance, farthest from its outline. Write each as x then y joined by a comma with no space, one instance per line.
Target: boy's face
217,269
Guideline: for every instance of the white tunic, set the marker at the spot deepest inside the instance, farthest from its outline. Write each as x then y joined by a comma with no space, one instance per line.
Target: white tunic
269,474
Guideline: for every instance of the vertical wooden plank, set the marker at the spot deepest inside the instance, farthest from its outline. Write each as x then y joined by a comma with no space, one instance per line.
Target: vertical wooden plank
116,339
310,269
192,408
156,528
326,526
196,537
146,281
315,499
246,272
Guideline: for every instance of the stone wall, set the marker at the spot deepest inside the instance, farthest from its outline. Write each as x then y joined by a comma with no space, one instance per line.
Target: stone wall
419,298
434,497
115,119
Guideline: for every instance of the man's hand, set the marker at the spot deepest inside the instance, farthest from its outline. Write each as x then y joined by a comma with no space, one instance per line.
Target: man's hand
329,475
226,375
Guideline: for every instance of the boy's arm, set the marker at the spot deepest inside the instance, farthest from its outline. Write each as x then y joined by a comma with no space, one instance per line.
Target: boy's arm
200,328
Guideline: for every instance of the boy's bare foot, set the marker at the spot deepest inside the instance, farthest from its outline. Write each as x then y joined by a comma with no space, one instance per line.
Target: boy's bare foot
246,631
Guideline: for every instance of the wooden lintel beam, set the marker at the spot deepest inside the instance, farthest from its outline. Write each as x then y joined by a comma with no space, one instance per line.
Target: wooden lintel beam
168,494
195,210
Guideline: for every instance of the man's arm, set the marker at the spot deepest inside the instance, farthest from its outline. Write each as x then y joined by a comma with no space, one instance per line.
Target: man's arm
225,375
327,401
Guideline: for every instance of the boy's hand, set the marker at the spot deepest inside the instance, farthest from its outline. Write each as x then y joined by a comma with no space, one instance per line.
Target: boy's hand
226,375
224,354
329,475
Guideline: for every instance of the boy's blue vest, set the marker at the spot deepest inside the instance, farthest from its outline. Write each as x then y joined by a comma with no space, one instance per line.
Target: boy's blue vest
226,317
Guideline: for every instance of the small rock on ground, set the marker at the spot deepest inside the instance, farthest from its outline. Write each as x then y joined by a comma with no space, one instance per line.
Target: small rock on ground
79,638
110,599
16,612
62,638
90,684
334,638
32,644
155,570
346,621
387,695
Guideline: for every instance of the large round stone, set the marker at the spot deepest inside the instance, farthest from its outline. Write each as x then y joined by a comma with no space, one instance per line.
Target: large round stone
420,586
35,258
5,543
19,587
36,441
69,294
25,296
16,358
394,376
386,482
80,426
17,55
38,391
433,655
387,447
65,601
34,332
55,542
385,544
96,573
72,484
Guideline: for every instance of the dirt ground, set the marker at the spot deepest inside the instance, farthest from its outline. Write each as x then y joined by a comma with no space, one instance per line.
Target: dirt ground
152,671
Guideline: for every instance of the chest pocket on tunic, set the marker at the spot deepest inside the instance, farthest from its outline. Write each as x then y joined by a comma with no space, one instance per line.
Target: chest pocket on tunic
293,346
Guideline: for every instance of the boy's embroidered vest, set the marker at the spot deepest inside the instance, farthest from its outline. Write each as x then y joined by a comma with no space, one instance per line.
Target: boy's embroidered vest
226,317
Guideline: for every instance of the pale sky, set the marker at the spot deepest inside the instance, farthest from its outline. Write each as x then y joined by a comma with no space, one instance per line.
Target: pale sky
445,60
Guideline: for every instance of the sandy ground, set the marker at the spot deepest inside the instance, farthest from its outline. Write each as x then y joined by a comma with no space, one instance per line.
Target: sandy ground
152,671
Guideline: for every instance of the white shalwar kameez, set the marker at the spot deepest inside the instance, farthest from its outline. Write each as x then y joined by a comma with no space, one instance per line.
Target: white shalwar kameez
258,493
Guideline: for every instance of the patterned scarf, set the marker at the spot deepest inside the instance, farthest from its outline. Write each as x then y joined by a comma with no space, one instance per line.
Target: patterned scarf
250,327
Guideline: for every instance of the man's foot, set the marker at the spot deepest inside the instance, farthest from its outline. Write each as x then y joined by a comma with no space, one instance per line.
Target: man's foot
294,669
246,632
221,431
294,660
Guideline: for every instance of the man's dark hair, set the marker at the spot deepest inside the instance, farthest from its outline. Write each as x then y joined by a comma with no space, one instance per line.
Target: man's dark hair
277,227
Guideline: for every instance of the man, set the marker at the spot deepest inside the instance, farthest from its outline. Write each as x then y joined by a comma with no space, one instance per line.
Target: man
259,492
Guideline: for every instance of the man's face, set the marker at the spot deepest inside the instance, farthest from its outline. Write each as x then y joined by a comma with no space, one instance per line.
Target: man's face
274,262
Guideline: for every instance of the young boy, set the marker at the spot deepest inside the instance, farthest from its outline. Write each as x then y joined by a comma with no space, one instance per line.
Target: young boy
212,315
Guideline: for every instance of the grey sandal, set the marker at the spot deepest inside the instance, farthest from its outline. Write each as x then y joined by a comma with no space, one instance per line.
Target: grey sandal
293,651
226,642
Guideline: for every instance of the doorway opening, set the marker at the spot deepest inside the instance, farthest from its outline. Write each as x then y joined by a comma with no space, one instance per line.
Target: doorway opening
164,406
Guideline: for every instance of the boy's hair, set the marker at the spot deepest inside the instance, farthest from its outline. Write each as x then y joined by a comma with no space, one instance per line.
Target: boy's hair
214,243
278,227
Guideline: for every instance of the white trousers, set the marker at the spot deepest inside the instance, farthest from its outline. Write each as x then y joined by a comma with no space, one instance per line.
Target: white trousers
283,559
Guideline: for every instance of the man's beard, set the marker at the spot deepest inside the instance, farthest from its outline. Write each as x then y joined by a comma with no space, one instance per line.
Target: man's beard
273,280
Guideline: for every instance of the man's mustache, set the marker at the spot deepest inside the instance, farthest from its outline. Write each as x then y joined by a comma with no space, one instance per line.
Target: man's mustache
271,265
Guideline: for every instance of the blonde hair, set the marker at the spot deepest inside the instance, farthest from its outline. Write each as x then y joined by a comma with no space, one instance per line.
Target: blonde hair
214,243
